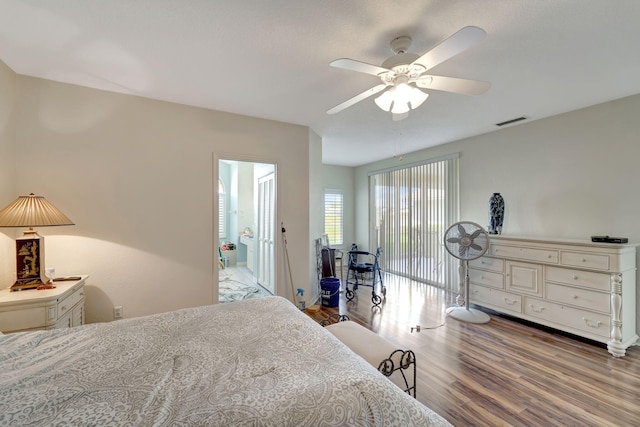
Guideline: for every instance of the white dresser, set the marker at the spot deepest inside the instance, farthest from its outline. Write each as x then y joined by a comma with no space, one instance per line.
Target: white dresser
584,288
62,307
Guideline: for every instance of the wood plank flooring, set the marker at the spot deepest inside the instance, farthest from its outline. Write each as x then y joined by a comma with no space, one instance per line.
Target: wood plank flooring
503,373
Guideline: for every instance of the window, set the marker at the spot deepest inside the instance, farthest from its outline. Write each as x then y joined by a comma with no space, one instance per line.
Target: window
222,211
411,209
334,216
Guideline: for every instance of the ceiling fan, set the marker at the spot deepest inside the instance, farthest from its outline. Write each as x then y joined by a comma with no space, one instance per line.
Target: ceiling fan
403,75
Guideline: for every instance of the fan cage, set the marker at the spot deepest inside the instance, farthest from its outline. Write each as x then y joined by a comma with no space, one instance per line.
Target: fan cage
466,240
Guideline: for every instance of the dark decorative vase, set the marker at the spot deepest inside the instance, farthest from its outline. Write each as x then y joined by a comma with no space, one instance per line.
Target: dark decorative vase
496,214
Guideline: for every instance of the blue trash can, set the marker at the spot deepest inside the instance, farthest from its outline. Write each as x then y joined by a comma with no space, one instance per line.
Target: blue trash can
330,291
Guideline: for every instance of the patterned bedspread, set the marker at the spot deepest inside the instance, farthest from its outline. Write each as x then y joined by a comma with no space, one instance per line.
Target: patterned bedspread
251,363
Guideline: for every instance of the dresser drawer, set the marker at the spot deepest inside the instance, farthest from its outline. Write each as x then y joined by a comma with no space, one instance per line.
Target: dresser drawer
489,278
486,263
583,260
495,298
583,279
528,254
594,325
584,298
67,304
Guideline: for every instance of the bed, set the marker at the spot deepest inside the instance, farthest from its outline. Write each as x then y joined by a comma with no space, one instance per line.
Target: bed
257,362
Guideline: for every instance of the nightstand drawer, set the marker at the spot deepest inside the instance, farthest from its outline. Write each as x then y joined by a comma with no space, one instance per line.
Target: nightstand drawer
20,319
67,304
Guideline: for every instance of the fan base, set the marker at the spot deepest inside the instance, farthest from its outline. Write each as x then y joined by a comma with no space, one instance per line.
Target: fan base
468,315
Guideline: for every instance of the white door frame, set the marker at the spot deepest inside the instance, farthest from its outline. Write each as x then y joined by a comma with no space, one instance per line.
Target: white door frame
217,156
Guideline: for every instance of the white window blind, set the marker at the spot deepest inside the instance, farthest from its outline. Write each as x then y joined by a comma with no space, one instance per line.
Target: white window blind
411,209
222,211
334,216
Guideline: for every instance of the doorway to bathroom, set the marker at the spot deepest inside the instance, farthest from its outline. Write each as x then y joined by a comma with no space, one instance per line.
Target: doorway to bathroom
246,232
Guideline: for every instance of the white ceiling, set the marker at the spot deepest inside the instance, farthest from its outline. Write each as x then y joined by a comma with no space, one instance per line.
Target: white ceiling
270,59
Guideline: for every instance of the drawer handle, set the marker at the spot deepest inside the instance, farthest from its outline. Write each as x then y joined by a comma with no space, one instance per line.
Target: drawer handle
63,308
574,296
549,256
591,324
575,277
537,310
584,260
510,302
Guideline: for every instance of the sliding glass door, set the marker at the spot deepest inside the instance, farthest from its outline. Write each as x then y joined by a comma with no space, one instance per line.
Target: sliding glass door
411,209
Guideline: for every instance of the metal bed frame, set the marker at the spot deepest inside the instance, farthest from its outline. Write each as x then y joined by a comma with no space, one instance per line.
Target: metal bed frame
400,360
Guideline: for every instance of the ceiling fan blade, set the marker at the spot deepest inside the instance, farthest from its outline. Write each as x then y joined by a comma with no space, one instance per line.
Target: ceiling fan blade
367,93
453,84
361,67
457,43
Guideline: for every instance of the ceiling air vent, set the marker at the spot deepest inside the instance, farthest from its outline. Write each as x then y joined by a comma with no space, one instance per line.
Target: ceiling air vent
508,122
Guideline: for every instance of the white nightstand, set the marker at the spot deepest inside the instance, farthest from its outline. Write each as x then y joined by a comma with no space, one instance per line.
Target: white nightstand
62,307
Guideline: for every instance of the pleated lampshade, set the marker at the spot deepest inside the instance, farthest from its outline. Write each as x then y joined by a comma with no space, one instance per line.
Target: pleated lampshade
32,211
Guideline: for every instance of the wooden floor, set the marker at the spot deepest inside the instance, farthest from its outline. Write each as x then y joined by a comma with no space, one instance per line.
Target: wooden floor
503,373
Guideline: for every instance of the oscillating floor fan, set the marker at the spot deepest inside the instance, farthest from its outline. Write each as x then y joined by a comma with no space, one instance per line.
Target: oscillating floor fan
466,241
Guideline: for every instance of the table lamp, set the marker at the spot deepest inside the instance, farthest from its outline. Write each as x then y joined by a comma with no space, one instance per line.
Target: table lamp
31,211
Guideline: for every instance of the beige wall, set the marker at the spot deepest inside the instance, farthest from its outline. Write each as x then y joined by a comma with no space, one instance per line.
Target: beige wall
7,168
136,176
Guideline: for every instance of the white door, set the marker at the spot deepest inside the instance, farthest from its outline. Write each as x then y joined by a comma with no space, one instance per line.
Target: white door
266,232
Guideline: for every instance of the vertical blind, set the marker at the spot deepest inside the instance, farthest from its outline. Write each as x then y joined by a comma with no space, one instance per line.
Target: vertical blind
334,216
411,209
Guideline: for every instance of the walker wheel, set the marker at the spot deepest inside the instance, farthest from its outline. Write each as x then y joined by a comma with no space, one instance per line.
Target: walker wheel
376,300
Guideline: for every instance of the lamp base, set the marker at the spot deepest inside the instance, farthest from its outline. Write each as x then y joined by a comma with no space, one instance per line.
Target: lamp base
39,285
22,285
30,263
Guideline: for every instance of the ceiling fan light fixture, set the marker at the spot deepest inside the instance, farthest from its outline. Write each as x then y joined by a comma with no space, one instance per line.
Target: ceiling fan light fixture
385,100
401,99
400,108
403,93
417,98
